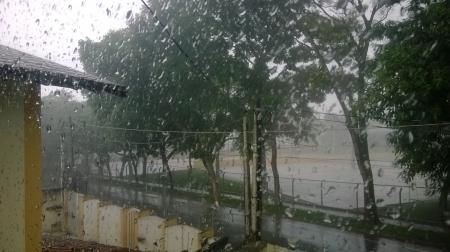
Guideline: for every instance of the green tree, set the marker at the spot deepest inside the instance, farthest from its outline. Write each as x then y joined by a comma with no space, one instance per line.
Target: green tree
168,98
333,42
261,36
411,87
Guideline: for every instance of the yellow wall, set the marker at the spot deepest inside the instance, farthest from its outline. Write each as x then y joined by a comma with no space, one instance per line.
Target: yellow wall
20,167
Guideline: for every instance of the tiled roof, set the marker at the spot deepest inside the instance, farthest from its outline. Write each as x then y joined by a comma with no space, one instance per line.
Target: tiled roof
59,243
46,72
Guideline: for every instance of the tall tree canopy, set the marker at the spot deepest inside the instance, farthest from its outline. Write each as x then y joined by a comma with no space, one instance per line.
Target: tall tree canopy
333,39
411,93
236,52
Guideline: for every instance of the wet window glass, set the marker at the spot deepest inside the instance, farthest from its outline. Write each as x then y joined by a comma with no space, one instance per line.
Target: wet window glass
193,125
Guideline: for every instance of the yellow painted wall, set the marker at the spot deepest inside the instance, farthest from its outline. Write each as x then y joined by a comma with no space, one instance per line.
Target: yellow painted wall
20,167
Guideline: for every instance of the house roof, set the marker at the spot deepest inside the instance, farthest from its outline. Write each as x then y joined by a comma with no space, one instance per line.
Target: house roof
46,72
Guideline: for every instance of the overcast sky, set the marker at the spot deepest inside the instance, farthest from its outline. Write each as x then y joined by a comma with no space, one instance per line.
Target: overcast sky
52,28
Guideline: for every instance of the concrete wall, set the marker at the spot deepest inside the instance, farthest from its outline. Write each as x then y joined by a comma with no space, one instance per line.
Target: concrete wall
111,225
52,210
74,218
91,220
149,228
274,248
20,166
182,237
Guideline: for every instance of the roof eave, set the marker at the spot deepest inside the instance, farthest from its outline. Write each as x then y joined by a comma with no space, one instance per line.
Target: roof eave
61,80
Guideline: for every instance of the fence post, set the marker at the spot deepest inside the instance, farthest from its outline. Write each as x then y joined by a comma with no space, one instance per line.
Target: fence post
357,198
400,200
293,200
409,192
321,193
223,183
159,176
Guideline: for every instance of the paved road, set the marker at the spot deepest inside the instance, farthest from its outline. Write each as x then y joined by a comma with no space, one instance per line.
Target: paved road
299,236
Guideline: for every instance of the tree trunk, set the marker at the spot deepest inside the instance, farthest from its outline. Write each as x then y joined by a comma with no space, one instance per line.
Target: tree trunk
443,203
276,176
144,166
359,140
165,162
108,167
87,168
100,165
217,165
124,160
135,162
215,190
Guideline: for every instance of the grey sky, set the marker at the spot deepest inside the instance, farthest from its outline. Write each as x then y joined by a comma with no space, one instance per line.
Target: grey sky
52,28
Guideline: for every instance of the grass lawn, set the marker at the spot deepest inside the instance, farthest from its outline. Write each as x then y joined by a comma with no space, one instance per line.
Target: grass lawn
197,179
419,210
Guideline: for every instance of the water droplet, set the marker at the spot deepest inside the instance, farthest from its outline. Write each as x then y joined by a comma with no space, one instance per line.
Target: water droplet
288,212
129,14
411,137
38,21
49,128
332,189
393,190
293,242
380,173
273,11
395,214
70,6
380,202
314,170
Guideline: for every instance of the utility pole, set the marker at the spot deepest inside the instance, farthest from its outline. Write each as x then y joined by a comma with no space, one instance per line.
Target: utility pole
61,153
72,160
256,203
246,181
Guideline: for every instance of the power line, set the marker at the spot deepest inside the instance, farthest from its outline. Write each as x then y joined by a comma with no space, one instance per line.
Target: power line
164,131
